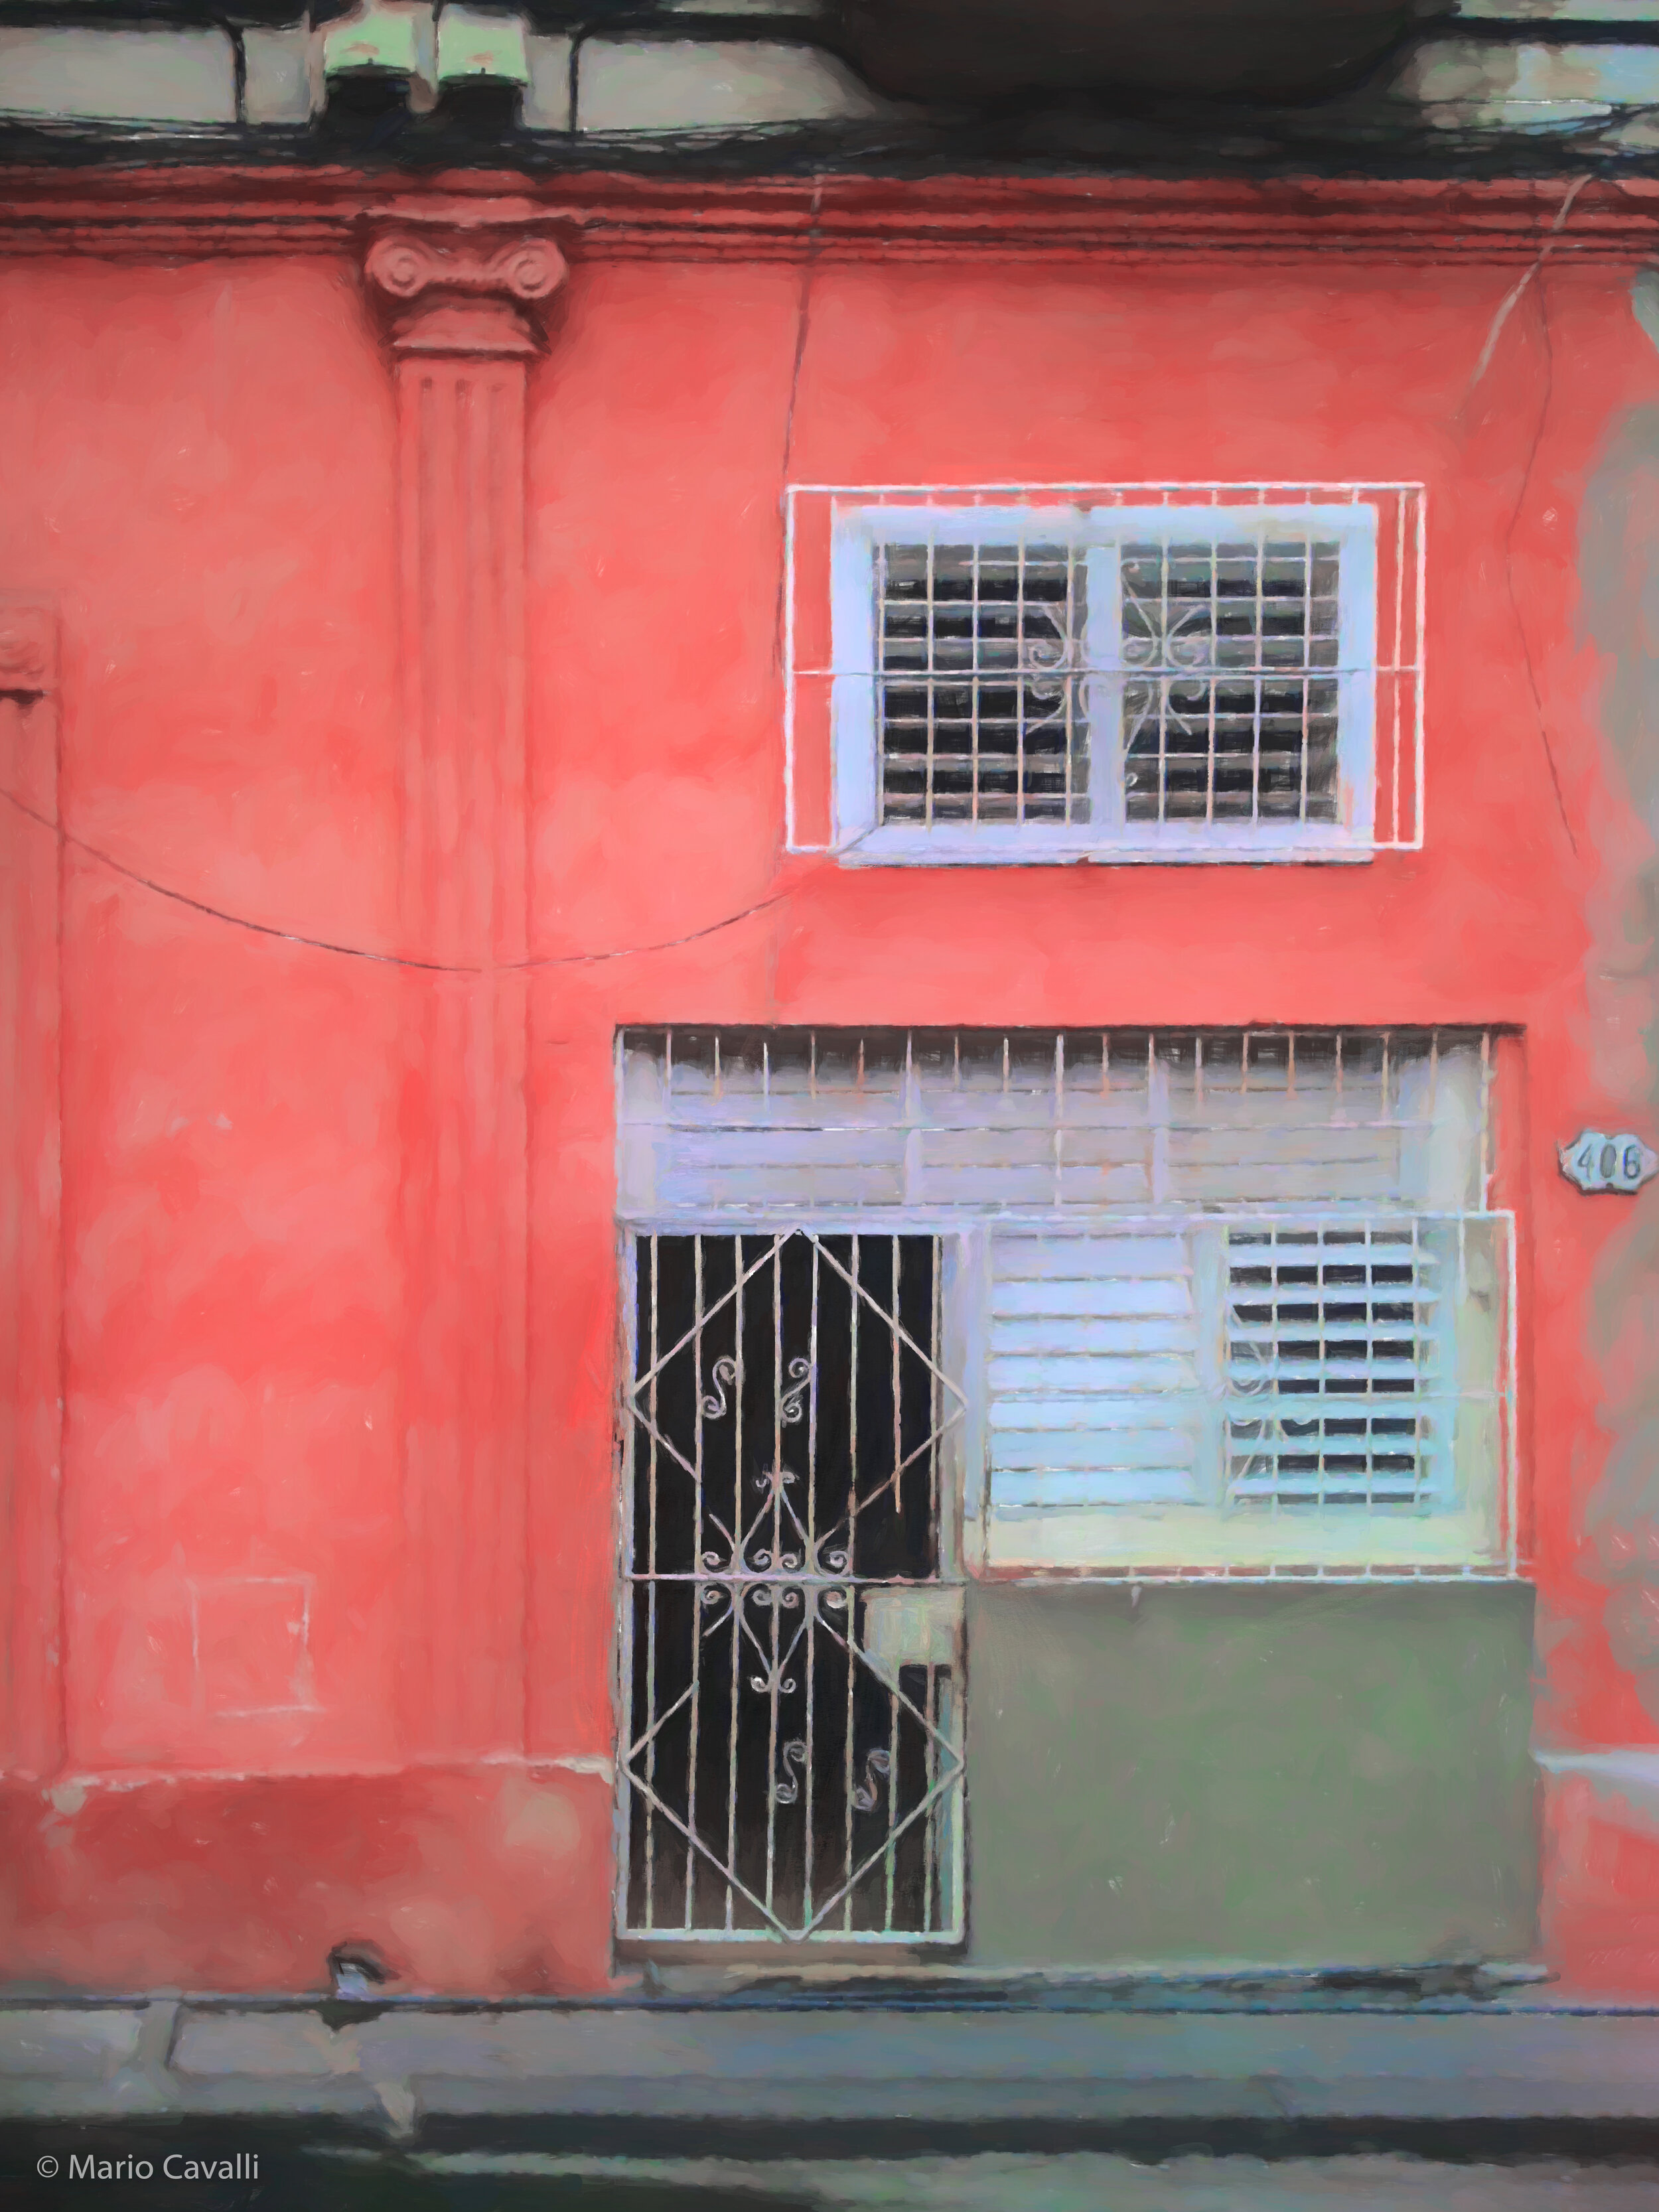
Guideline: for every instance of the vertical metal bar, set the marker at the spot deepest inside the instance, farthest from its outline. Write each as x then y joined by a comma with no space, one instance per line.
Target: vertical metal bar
898,1382
853,1624
978,676
1075,632
880,671
1397,676
1507,1407
931,1818
698,1586
814,1596
739,1585
932,782
936,1393
789,826
931,675
1419,1284
1162,679
1307,671
651,1605
1058,1139
892,1795
775,1540
1418,653
1487,1149
1215,678
898,1509
1383,1109
1019,678
1259,679
943,1558
1157,1125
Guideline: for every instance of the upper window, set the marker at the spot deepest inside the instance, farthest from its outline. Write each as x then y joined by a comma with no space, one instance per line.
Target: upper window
1110,678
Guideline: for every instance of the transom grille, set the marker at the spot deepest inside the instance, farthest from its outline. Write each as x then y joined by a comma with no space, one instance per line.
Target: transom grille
1225,718
1333,1355
794,1762
982,714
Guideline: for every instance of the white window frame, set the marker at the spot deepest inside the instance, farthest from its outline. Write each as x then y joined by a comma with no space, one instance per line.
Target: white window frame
861,838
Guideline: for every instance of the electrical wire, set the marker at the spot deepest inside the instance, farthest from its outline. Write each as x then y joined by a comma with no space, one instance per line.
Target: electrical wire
776,898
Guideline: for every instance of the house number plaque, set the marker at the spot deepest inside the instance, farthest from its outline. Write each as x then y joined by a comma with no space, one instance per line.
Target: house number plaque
1596,1162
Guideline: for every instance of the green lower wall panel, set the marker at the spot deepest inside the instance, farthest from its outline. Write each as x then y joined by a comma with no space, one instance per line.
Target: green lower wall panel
1216,1776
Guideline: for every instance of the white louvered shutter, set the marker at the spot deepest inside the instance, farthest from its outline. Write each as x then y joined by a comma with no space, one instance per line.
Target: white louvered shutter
1096,1393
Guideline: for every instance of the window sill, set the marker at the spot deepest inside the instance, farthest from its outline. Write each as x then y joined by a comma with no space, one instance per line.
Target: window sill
1189,1546
996,848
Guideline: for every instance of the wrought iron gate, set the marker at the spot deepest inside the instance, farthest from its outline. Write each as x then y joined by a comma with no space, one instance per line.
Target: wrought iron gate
792,1668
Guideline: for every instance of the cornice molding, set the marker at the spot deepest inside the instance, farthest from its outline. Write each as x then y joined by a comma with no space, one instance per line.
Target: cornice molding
199,213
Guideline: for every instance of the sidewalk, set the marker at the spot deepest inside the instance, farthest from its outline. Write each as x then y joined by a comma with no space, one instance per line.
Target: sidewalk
607,2077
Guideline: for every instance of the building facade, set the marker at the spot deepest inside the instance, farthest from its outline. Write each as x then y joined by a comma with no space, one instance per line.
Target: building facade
801,974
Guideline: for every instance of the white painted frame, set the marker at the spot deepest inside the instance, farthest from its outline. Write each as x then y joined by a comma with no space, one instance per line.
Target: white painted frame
860,838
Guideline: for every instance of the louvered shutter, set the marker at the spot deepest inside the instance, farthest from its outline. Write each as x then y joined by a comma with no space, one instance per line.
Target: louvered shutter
1097,1358
1338,1359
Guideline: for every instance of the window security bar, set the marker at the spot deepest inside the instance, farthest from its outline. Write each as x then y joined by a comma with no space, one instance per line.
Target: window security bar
792,1674
1235,1302
1063,1122
1120,672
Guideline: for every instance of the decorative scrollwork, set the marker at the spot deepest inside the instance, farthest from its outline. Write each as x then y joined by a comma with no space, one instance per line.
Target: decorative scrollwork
407,264
1184,641
531,269
877,1767
785,1788
791,1408
403,266
714,1405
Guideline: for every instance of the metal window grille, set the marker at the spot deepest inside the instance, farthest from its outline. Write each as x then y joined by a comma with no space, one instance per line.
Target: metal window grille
1052,671
1227,717
1334,1361
982,716
792,1766
1189,1250
1068,1124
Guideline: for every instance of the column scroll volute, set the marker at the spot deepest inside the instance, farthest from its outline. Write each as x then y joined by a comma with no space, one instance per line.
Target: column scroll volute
464,287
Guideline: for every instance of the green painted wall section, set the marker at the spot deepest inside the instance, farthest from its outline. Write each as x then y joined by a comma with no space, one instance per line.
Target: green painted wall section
1260,1776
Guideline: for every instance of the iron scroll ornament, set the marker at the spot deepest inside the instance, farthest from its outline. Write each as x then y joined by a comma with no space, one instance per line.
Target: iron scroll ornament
1595,1161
